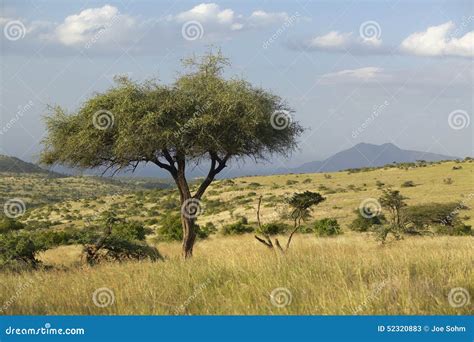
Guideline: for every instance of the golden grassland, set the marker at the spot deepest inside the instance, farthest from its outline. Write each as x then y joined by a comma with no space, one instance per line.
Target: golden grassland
341,199
347,275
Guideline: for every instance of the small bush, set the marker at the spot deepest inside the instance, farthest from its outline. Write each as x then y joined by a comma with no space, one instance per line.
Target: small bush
8,224
327,227
307,180
291,182
365,224
171,229
274,228
408,184
238,228
442,218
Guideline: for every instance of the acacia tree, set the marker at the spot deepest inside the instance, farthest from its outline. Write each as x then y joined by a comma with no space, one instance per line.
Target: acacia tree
201,116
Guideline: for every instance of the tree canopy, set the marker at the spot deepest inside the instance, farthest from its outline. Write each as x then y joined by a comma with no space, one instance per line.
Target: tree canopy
200,116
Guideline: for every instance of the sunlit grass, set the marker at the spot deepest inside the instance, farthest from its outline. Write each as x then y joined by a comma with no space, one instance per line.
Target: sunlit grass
350,274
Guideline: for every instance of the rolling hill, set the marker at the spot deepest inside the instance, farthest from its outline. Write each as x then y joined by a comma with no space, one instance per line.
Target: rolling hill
367,155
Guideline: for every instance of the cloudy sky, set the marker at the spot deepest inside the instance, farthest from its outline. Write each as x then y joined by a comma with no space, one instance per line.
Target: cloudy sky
355,71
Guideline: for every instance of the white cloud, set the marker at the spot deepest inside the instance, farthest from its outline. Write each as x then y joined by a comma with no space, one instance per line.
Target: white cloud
361,74
262,18
335,41
105,21
331,40
437,41
105,29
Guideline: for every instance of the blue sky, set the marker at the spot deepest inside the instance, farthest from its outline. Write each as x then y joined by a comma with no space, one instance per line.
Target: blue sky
371,71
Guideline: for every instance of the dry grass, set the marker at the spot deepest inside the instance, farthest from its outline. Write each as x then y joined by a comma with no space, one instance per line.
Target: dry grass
349,274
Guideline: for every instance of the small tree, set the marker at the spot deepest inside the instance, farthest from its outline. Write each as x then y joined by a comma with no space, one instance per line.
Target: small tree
393,201
300,204
200,117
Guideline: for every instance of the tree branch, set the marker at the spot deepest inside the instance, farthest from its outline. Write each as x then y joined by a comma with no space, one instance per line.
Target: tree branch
217,165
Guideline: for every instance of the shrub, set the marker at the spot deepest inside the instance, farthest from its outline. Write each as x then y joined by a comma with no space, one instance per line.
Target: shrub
364,224
443,218
327,227
408,184
171,229
274,228
8,224
238,228
307,180
291,182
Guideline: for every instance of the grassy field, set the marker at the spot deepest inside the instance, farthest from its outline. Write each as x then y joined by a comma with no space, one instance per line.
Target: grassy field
348,274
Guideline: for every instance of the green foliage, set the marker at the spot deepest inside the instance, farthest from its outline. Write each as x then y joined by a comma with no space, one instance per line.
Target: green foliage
301,203
237,228
8,224
274,228
364,224
201,114
442,218
393,201
326,227
171,229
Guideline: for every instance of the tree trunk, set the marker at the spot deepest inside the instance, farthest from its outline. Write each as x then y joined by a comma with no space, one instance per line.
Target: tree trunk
189,236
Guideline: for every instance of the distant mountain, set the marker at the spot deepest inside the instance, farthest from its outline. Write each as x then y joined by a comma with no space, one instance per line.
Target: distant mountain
16,165
366,155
